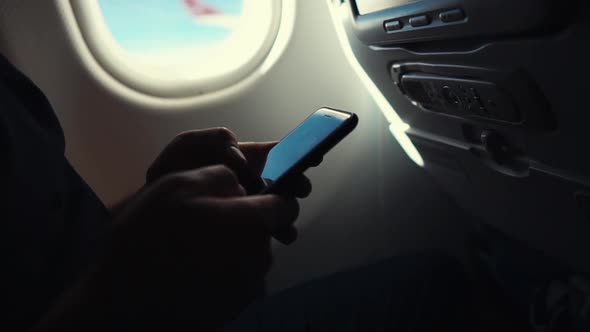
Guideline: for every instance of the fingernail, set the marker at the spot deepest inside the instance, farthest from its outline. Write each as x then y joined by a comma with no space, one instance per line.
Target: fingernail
238,153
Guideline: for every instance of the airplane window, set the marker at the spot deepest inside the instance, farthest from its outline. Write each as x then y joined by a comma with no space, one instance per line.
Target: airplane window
164,32
178,48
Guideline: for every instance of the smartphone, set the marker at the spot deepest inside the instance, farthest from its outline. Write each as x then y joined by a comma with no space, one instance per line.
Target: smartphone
308,142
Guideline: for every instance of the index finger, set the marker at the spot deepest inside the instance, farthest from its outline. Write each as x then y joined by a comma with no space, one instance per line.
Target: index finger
256,153
192,149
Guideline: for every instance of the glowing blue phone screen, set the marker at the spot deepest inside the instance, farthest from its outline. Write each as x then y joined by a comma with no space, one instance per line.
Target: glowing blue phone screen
298,144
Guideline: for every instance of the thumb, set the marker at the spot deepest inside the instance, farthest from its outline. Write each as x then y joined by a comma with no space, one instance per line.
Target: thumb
256,154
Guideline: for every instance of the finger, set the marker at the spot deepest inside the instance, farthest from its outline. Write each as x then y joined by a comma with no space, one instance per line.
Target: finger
270,213
256,154
193,149
237,161
286,236
277,213
301,186
316,161
202,137
216,181
304,187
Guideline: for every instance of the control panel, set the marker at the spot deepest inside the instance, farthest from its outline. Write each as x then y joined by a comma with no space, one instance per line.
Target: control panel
460,97
396,22
480,95
432,19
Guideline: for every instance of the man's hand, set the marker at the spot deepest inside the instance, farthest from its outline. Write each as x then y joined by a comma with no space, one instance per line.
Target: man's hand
200,148
195,149
192,246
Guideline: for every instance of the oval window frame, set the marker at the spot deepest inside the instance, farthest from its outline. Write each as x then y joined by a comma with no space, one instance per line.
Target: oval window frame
109,55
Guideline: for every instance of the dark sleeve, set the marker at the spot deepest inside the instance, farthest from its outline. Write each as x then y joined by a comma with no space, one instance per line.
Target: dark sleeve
51,221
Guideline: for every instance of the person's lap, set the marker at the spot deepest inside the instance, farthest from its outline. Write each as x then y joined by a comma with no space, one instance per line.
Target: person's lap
407,293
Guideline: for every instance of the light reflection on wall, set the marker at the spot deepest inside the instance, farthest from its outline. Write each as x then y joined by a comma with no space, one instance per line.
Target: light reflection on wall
397,126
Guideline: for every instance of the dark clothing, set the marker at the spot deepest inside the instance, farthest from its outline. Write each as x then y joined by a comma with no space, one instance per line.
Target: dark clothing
51,220
413,293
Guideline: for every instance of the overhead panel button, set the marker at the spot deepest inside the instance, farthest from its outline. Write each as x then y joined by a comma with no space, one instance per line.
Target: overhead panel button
450,16
419,21
394,25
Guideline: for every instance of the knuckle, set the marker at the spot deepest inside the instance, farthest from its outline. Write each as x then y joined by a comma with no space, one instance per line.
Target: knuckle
168,185
223,172
224,134
220,177
152,172
175,179
213,135
187,138
255,210
183,136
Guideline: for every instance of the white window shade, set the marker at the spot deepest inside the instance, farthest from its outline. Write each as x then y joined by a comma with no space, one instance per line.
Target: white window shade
146,45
